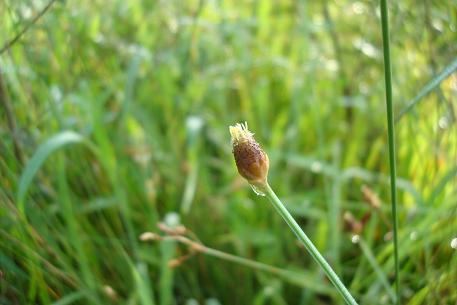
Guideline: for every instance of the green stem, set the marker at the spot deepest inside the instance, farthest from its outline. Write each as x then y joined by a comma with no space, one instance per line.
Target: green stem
279,206
391,135
291,276
285,274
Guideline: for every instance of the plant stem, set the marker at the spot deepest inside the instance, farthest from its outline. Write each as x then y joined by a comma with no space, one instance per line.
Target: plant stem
279,206
291,276
391,135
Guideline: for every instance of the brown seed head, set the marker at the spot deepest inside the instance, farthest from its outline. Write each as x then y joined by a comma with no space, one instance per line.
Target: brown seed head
371,197
252,162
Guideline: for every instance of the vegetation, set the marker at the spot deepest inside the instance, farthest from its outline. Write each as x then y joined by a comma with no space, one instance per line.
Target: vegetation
114,122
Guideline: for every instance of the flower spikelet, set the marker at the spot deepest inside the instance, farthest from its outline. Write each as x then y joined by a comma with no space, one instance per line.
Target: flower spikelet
252,162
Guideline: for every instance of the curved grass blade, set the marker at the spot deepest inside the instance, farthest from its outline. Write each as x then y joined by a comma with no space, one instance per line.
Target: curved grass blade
391,135
58,141
435,82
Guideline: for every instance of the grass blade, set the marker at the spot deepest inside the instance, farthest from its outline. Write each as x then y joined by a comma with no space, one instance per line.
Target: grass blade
391,135
435,82
377,269
59,140
145,293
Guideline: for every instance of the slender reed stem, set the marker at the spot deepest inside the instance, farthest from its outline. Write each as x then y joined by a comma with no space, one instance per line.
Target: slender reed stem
279,206
391,134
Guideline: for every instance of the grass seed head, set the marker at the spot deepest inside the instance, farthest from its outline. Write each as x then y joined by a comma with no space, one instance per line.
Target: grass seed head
252,162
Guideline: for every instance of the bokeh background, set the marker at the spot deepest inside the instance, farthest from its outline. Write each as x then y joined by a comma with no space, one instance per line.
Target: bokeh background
114,122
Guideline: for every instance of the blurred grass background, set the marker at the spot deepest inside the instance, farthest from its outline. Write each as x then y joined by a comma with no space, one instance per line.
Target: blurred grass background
115,115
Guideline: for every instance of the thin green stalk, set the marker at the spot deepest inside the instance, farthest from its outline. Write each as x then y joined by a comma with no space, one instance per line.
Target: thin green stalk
279,206
291,276
286,274
391,135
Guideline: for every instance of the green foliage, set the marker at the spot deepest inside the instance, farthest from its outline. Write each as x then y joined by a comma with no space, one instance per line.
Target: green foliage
150,88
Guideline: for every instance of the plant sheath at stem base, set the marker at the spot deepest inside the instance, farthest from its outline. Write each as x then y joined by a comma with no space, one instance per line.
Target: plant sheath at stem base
279,206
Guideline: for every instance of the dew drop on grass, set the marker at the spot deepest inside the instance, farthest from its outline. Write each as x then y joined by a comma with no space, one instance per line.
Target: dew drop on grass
316,167
172,219
443,123
192,302
355,239
257,190
454,243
